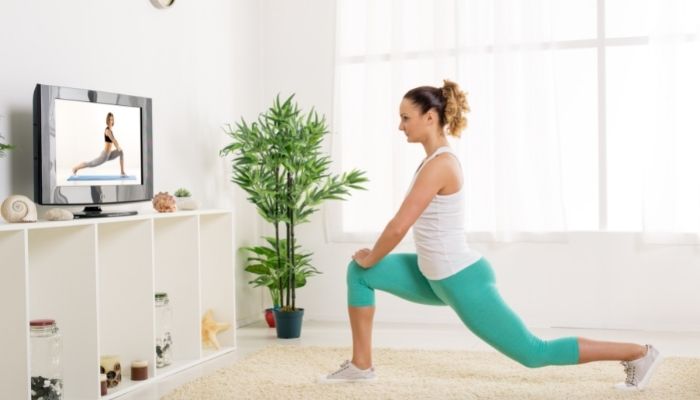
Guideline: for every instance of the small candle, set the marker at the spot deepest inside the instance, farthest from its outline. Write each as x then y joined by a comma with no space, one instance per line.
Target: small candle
139,370
103,384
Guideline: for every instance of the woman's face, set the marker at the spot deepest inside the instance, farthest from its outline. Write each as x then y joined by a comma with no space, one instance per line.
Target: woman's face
110,120
415,126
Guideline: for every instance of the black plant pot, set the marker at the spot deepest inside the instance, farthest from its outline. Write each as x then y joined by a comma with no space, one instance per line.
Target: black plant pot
288,323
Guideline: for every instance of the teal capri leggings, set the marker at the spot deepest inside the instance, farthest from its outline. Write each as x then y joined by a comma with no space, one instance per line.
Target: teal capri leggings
472,294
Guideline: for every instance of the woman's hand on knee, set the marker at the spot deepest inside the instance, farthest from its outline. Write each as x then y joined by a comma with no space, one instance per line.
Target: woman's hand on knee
361,258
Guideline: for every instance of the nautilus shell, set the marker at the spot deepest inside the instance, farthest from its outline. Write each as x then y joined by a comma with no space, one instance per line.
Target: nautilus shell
18,208
164,202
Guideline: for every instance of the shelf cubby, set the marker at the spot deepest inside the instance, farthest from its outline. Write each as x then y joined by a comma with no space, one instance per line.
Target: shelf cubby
126,327
177,274
61,286
217,250
14,308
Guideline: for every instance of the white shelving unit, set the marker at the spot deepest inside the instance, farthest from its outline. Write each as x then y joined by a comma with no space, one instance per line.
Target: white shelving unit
97,279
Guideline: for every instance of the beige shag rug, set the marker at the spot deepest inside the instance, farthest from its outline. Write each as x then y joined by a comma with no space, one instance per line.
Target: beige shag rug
290,372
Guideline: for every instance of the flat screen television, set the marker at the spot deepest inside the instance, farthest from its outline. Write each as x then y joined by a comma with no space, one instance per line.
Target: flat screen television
91,148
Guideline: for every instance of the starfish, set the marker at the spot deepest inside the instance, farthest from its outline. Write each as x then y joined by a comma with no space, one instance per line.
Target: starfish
210,328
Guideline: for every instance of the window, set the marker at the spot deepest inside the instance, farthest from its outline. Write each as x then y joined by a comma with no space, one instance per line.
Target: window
583,111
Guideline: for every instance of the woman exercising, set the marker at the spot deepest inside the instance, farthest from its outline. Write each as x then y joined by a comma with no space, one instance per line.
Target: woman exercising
445,271
107,152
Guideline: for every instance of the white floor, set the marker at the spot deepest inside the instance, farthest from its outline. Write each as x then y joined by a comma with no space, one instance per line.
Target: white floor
316,333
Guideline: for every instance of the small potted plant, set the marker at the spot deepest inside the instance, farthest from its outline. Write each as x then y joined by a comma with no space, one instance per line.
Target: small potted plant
184,200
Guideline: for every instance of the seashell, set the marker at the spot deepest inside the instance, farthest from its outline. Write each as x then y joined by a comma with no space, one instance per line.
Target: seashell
18,208
58,214
164,202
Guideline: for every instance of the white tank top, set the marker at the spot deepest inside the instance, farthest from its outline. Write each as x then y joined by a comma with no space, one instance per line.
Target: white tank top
439,232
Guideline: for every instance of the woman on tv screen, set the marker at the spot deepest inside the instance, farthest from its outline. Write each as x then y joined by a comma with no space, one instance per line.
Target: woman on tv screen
107,153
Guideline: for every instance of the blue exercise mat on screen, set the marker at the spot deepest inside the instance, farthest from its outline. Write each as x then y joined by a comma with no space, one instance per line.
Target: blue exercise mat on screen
102,178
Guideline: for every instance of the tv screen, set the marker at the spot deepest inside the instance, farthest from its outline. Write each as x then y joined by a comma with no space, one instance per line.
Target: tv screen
91,148
86,154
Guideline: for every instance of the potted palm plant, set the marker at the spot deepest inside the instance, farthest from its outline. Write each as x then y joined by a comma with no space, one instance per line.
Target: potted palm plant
278,162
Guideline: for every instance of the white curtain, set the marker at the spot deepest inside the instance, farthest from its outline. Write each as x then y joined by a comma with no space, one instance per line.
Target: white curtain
501,54
583,118
671,151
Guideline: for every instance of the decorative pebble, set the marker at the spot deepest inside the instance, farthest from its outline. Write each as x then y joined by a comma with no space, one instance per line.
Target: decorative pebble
46,389
58,214
163,350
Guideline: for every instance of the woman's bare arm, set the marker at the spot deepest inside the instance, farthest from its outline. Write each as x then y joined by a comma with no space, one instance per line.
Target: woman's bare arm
429,182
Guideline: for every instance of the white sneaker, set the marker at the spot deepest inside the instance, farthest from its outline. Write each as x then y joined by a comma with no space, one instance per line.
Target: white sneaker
348,372
639,371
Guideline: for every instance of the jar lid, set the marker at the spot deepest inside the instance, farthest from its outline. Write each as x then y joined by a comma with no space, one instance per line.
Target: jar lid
109,358
161,295
42,322
139,363
103,377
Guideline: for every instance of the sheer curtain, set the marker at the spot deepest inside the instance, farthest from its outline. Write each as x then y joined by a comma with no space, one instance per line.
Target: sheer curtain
584,112
671,151
502,54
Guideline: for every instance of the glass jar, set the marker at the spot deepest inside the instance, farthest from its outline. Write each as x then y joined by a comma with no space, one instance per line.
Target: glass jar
164,340
45,347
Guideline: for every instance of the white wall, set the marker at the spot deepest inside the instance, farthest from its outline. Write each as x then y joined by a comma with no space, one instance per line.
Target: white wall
205,63
199,61
593,280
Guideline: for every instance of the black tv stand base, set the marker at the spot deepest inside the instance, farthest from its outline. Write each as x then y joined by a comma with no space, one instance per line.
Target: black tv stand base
96,212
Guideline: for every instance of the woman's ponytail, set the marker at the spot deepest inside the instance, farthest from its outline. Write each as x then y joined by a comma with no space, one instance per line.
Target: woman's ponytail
456,108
